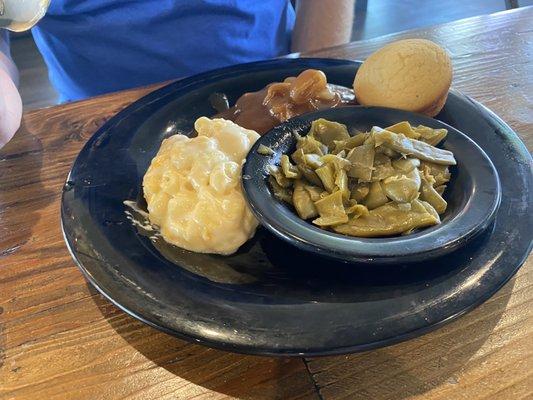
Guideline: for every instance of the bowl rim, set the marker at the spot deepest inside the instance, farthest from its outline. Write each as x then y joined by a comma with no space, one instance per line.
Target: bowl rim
420,246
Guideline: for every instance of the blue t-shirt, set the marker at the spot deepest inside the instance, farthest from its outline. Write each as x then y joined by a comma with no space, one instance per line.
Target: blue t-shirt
97,46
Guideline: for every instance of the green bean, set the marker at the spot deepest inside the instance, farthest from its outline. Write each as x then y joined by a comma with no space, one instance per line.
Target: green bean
265,150
305,207
290,171
389,219
430,135
376,196
405,128
360,191
406,164
310,175
362,160
326,173
281,193
429,194
402,188
328,132
417,148
382,167
313,160
280,178
440,189
440,173
331,210
350,143
314,192
310,145
381,183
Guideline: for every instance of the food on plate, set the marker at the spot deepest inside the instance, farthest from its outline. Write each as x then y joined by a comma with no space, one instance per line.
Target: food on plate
279,101
193,188
412,74
379,183
265,150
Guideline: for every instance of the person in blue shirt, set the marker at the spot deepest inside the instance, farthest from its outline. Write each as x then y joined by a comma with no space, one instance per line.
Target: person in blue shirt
93,47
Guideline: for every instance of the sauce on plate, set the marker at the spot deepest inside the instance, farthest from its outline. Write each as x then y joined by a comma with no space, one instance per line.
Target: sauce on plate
280,101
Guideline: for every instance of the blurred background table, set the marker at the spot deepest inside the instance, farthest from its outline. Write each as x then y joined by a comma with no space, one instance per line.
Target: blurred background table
59,339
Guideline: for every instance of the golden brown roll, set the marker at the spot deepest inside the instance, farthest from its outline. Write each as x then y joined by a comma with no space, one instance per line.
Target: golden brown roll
412,74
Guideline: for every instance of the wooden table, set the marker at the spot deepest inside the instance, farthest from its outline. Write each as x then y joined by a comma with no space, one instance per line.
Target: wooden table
61,339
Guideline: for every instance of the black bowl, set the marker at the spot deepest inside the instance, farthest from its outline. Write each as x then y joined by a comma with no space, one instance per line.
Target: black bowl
473,194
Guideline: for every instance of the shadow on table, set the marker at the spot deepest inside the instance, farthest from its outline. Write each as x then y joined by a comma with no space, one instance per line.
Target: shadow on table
398,372
414,367
236,375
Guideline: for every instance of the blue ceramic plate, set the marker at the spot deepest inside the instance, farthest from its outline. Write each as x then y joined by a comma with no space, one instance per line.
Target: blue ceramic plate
473,194
271,298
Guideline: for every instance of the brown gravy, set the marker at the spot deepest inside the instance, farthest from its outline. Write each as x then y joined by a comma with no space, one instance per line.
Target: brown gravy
279,101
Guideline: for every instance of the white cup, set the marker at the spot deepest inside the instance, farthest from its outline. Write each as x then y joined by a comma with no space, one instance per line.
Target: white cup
21,15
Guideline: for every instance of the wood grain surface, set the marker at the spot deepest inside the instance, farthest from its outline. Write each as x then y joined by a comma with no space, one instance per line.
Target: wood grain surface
59,339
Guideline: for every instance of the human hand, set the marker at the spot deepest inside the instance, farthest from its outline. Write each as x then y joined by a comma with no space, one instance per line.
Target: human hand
10,107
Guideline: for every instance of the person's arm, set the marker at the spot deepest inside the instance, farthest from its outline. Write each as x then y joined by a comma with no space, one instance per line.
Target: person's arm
10,101
322,23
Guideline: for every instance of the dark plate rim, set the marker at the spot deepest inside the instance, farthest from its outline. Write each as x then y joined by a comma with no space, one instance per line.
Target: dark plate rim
267,352
493,120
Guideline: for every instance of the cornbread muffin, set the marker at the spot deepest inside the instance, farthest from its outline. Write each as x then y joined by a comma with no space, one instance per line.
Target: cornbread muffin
412,74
